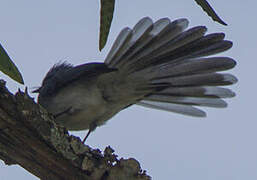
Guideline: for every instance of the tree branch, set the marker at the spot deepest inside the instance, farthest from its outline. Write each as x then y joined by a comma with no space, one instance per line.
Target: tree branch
29,137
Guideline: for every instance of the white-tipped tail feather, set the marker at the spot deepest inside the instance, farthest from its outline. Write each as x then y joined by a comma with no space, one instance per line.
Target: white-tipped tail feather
176,108
169,66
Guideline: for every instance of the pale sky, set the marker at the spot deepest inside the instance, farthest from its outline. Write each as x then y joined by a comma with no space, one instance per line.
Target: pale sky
222,146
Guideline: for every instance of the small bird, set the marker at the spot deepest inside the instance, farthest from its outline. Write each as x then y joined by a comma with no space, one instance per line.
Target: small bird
158,65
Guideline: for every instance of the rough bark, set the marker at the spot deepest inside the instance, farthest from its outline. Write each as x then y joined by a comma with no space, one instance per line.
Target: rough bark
30,138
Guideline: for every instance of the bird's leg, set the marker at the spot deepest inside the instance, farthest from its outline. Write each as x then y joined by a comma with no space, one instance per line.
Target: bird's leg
92,127
89,131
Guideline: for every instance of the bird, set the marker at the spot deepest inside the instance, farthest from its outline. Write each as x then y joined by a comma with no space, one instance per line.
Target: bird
162,65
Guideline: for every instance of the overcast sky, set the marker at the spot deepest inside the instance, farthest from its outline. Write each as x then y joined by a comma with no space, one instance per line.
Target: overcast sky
222,146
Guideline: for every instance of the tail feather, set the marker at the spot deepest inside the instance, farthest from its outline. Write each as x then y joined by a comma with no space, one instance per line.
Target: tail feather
165,66
140,32
119,44
197,48
209,79
162,32
197,101
159,55
189,67
215,48
198,91
160,28
176,108
189,51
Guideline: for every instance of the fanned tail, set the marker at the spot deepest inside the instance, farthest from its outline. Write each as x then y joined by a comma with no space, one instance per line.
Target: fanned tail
170,63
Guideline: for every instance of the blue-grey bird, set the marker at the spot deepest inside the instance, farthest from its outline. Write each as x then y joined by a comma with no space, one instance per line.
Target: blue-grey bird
158,65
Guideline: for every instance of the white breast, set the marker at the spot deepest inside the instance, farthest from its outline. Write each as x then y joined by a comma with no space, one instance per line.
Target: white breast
86,106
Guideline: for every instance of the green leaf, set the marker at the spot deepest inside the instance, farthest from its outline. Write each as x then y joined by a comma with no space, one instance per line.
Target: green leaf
210,11
8,67
107,9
